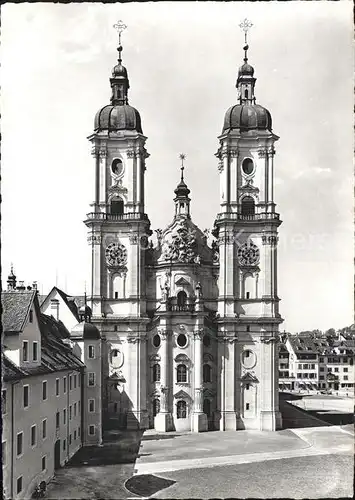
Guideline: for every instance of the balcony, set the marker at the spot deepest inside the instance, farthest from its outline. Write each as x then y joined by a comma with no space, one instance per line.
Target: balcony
98,216
249,217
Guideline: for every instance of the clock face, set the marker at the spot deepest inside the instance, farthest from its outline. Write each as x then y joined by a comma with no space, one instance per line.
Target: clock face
116,254
248,254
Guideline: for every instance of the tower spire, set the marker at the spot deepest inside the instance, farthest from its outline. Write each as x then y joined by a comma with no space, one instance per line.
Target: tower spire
182,200
119,81
246,81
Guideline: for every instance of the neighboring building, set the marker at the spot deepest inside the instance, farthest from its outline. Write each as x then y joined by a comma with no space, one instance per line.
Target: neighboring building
304,363
286,381
189,324
46,415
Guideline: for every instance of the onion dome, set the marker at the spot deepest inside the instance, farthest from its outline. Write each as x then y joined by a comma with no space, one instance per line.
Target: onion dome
246,70
247,117
11,280
182,200
85,331
118,115
182,189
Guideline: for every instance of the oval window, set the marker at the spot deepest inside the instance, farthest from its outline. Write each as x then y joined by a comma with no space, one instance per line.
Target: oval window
182,340
117,166
247,166
248,359
156,340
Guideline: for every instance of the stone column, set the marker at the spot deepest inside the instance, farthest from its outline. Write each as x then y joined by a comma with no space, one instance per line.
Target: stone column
270,417
270,155
138,180
229,417
163,422
199,419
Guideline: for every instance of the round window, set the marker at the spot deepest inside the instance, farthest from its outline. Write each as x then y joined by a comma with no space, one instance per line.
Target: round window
117,166
247,166
182,340
248,359
206,341
156,340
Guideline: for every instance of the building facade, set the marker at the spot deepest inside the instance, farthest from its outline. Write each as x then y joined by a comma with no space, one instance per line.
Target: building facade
189,322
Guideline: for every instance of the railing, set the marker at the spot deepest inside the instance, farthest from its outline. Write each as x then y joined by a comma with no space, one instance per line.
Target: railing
181,308
113,217
249,217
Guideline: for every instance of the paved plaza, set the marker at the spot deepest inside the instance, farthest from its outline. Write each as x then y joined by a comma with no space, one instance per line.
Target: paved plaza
313,462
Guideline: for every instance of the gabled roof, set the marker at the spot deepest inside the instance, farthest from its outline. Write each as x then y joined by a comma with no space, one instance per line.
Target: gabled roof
15,309
73,302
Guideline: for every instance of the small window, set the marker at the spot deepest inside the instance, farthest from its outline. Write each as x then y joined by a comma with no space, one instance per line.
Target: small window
115,407
181,300
156,407
91,430
44,390
247,406
79,377
57,386
19,444
115,328
44,463
25,350
336,369
114,353
247,166
70,382
3,401
31,316
44,428
181,409
247,295
70,412
182,340
247,386
248,206
207,373
35,351
79,431
91,405
156,341
26,396
33,435
64,416
246,354
75,407
19,485
346,377
75,381
64,444
207,407
74,435
57,420
117,166
156,372
70,439
65,385
181,373
246,93
117,206
91,379
116,295
248,327
345,369
91,351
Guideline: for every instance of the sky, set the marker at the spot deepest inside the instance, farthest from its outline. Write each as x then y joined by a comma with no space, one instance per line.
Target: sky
182,59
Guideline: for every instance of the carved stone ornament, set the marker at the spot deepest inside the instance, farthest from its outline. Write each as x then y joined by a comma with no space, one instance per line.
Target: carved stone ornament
248,254
270,240
198,335
117,188
183,246
234,153
268,340
131,153
262,153
94,239
133,239
226,238
220,166
271,151
215,251
116,255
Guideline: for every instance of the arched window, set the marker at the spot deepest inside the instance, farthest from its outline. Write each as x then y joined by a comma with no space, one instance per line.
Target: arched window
117,166
181,409
117,206
248,206
181,373
207,373
181,300
246,94
249,287
207,407
156,407
156,372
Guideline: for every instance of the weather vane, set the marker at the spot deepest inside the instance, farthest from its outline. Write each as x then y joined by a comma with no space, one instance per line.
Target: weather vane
245,26
182,157
119,27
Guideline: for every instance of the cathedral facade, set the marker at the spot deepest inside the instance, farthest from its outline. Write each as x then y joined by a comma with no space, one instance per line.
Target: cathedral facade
188,319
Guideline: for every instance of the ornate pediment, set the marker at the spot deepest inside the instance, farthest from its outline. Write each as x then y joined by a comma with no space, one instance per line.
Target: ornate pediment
207,357
182,395
182,282
182,358
248,378
154,358
208,393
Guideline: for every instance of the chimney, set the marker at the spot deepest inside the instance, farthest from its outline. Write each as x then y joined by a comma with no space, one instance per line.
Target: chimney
21,286
34,285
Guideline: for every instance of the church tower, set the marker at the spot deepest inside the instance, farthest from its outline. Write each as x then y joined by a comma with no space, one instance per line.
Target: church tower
118,233
246,228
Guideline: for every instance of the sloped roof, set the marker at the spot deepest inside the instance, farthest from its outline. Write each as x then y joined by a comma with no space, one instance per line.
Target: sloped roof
74,302
15,309
55,354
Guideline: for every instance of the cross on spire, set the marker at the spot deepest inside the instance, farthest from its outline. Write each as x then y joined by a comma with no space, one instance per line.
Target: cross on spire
119,27
182,157
245,26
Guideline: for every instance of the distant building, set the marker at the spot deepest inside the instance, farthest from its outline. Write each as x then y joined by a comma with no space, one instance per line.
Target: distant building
51,392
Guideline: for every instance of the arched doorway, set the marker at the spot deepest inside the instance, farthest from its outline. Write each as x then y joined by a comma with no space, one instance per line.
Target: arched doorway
57,454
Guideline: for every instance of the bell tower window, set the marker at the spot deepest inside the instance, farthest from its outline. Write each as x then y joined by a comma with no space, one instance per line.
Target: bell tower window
248,206
117,206
181,300
117,166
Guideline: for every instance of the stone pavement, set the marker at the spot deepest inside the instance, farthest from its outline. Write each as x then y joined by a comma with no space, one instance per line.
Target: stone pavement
212,449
